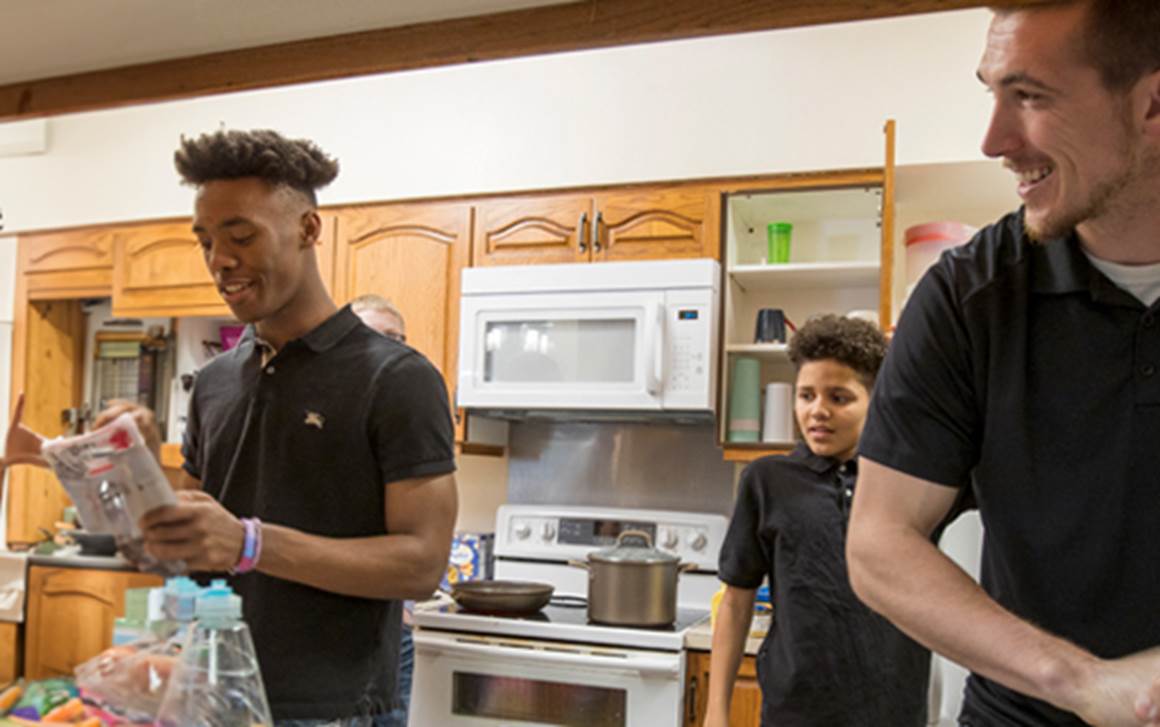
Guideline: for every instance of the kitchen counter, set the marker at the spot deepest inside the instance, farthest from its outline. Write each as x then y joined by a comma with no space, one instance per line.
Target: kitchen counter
700,637
71,558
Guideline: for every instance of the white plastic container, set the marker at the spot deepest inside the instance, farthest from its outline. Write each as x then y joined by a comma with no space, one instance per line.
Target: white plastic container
924,244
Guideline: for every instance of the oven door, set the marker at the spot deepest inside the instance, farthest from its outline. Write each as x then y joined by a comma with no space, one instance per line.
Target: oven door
583,350
463,679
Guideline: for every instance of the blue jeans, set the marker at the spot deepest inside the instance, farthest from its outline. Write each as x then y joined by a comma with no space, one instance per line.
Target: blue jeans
397,717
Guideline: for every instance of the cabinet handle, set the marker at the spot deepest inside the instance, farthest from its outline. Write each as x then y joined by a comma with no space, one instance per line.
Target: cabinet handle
582,232
691,703
596,222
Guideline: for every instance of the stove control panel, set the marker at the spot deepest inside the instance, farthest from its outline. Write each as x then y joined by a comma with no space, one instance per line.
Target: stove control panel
561,533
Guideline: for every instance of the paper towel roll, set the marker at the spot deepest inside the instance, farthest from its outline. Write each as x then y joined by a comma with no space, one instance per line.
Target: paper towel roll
777,424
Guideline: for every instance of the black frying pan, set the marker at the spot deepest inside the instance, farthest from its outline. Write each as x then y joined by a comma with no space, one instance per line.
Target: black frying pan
502,598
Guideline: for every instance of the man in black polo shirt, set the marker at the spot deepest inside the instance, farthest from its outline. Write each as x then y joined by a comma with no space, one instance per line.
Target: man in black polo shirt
318,453
1026,363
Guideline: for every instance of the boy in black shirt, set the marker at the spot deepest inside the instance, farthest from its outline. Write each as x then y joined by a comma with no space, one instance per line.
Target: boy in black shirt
827,660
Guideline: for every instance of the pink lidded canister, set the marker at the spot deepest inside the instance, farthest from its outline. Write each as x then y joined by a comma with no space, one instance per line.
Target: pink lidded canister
925,242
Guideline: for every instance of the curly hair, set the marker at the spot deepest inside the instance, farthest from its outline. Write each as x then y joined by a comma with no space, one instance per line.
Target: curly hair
850,341
295,163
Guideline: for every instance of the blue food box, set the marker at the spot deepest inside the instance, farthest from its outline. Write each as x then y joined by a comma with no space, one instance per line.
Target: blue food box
470,560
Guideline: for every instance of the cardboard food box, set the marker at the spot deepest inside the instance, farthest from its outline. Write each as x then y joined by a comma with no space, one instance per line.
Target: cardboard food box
471,559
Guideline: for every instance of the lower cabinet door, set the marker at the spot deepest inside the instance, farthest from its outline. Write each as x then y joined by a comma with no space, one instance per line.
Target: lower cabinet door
745,710
70,615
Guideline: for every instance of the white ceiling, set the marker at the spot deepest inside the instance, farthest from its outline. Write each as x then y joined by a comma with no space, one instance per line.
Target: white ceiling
45,38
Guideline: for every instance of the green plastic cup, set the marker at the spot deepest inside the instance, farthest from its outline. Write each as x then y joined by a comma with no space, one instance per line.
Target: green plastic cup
779,234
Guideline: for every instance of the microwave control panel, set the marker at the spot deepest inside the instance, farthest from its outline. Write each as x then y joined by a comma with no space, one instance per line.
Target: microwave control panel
690,330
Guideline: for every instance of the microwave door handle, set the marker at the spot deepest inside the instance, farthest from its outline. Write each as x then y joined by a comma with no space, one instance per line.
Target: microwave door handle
656,348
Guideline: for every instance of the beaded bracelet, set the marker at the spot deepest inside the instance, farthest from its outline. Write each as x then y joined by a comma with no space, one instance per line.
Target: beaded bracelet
251,546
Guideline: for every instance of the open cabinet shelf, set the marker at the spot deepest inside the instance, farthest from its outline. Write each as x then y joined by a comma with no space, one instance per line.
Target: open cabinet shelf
758,279
765,351
840,262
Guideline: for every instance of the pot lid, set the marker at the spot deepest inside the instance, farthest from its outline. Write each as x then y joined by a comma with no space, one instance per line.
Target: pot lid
633,546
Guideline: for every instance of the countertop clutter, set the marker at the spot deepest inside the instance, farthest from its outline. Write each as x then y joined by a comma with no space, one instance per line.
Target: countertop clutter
700,637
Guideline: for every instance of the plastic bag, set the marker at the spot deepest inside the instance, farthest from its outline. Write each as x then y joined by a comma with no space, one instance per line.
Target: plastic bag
125,684
114,479
41,697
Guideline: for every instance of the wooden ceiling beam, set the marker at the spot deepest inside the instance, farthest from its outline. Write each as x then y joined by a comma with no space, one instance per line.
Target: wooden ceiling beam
550,29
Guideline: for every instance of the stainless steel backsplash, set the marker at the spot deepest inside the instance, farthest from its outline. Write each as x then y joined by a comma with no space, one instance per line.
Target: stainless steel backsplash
660,466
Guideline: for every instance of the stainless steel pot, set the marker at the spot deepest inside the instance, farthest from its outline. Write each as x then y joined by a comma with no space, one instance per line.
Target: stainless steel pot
633,583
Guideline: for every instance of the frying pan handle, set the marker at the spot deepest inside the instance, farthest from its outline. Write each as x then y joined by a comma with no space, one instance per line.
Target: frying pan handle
578,564
686,567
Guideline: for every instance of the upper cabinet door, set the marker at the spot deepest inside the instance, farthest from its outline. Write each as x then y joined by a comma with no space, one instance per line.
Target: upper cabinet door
657,224
160,270
533,230
67,264
410,254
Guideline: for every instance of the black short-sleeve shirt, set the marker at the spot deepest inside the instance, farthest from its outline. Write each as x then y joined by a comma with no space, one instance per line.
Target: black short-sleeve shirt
310,440
1023,368
828,659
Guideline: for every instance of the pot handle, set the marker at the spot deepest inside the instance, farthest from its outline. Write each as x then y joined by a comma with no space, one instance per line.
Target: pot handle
636,534
686,567
578,564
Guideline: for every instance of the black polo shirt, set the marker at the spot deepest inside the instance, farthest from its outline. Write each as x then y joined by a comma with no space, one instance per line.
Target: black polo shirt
308,440
1025,368
827,660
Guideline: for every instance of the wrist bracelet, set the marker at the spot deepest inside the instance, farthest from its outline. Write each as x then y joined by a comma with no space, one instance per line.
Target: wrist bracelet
251,546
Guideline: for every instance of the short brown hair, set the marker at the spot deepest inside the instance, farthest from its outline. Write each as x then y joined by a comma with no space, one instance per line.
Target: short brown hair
373,301
1120,38
849,341
295,163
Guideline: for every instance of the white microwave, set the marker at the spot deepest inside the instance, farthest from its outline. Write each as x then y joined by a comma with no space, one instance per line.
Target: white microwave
621,336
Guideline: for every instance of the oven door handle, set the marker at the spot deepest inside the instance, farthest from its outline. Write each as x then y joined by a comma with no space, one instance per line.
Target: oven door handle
645,665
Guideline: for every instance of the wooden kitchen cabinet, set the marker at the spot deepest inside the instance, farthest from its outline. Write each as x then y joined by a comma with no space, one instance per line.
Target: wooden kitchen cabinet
841,260
159,269
644,223
11,651
745,710
656,223
66,264
532,230
70,615
413,255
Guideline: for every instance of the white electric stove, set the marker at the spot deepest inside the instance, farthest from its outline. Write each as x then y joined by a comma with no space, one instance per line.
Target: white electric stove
554,667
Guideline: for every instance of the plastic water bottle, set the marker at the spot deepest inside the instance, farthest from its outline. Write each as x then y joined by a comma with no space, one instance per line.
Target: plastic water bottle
217,682
179,599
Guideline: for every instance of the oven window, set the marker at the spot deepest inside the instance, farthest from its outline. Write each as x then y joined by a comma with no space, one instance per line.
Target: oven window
560,351
527,700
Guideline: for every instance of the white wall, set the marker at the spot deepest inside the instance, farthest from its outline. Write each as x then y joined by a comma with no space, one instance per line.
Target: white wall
808,98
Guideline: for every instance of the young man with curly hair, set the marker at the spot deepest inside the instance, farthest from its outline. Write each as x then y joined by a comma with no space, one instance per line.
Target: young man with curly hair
827,660
318,453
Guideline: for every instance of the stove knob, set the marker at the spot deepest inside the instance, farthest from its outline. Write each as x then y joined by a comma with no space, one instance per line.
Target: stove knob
670,539
698,542
523,531
547,532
